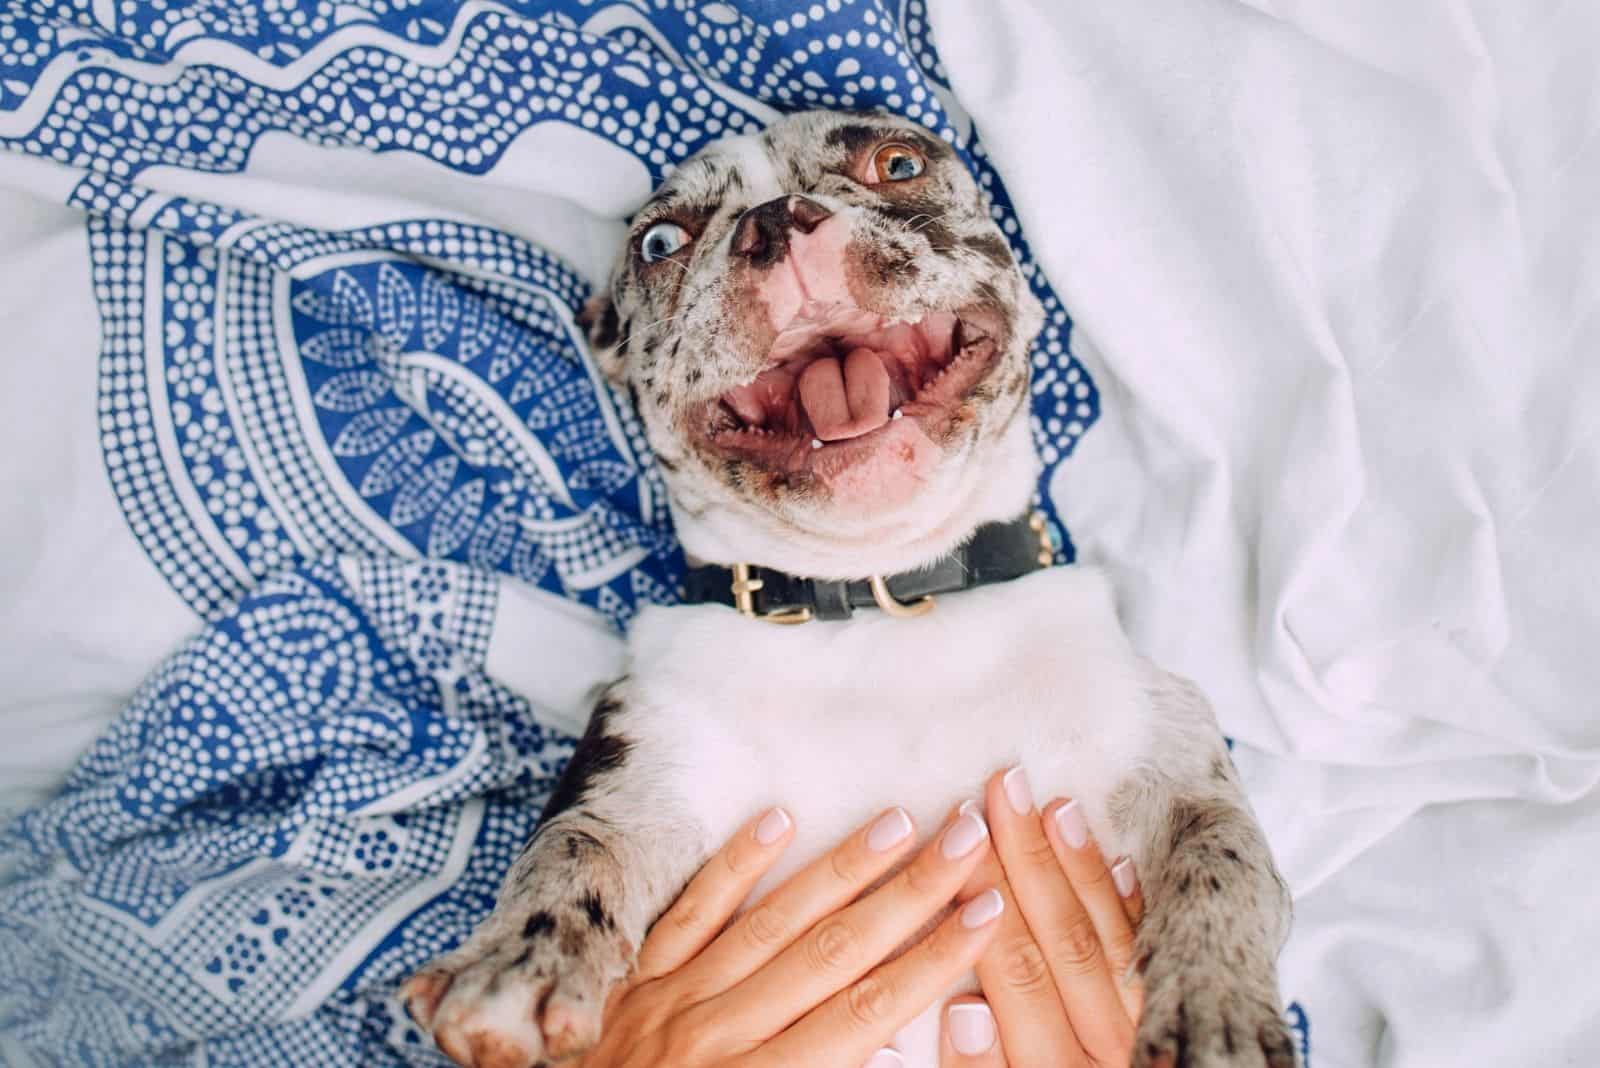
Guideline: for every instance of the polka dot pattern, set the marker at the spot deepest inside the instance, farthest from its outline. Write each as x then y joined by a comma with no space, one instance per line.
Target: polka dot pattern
410,372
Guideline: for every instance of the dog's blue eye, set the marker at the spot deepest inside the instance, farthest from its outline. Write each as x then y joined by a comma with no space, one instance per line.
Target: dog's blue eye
661,241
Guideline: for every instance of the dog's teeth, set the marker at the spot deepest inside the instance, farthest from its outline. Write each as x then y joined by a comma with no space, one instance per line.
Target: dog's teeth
896,414
816,443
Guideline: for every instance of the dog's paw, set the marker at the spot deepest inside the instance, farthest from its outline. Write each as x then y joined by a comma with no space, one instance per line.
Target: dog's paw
1209,1018
517,995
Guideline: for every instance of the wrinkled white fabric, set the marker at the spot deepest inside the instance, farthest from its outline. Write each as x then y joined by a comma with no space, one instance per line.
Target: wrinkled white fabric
1334,268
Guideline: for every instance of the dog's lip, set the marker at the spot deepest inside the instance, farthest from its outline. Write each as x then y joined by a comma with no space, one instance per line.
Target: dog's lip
960,357
796,342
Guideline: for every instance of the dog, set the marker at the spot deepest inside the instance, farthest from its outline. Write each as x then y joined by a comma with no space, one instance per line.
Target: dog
827,339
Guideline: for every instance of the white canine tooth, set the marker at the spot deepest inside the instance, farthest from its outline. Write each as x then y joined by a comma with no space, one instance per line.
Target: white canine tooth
897,414
816,443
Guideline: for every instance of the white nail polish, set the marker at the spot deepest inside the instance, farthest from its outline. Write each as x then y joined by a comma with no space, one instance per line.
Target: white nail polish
982,909
1124,877
890,829
971,1028
772,826
964,835
1074,828
1018,793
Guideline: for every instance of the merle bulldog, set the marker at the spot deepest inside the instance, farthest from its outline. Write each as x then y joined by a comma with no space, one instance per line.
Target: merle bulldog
828,341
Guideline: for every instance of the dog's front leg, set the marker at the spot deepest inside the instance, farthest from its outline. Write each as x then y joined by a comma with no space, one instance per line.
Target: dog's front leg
610,854
1218,912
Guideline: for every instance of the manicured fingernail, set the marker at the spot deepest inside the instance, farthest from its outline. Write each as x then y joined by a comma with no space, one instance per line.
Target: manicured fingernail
885,1058
772,826
967,806
1125,878
1018,792
982,909
1074,829
889,831
964,835
971,1028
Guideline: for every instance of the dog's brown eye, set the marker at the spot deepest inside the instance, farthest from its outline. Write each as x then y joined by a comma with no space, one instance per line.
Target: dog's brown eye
896,163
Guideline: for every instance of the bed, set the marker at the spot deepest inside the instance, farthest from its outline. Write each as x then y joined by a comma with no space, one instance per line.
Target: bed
320,529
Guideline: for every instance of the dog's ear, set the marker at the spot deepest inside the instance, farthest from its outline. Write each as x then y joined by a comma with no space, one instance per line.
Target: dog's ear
608,336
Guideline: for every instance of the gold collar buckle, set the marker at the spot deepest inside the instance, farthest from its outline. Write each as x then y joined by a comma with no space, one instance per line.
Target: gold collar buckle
744,591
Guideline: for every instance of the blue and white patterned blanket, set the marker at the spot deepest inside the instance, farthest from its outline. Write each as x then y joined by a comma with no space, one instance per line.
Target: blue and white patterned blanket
339,422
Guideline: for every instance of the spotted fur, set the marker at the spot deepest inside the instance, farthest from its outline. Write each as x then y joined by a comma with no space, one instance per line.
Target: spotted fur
683,331
721,715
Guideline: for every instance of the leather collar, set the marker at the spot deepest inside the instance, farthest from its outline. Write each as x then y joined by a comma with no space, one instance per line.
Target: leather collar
996,552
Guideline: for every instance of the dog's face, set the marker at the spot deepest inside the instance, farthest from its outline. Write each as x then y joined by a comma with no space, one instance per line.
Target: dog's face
827,338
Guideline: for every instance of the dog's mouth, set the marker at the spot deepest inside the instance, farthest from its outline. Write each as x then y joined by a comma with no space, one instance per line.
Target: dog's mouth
837,376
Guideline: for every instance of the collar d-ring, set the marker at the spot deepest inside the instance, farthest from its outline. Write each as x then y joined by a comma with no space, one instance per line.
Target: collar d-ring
899,609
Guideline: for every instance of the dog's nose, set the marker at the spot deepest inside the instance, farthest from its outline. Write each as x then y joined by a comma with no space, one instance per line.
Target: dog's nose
762,235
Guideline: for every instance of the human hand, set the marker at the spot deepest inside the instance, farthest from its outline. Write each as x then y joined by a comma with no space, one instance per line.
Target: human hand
1053,975
799,978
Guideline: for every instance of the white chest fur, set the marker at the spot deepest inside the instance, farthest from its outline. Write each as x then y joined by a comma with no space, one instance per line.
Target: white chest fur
836,721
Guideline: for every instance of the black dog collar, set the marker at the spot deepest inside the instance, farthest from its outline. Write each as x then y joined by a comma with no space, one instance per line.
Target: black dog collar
996,552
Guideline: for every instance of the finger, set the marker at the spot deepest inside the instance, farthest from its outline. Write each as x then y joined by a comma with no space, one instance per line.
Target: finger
970,1038
1092,880
859,1019
714,894
844,946
1126,878
1060,924
1101,890
1019,987
822,888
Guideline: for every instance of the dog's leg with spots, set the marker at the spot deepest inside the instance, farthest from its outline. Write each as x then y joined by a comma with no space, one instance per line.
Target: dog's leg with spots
530,983
1218,910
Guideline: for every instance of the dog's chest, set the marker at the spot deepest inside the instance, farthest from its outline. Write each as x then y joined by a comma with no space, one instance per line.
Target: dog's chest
837,721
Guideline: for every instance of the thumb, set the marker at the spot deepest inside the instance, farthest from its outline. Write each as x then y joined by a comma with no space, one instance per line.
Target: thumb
970,1039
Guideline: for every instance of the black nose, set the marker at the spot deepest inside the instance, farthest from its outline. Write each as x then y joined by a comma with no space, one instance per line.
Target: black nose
762,235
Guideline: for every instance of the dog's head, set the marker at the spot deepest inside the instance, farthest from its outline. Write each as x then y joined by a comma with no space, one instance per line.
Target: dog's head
827,338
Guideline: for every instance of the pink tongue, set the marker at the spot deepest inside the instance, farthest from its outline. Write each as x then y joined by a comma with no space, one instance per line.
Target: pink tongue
845,399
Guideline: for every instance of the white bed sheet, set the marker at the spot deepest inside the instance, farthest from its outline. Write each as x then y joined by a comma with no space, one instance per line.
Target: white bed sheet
1334,269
